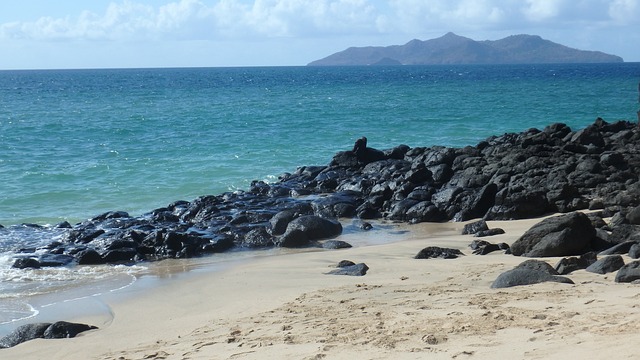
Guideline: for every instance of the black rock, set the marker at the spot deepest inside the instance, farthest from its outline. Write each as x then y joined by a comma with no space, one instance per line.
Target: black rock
363,225
563,235
489,232
24,333
634,251
257,238
568,265
335,244
58,330
518,277
118,256
482,247
438,252
633,217
511,176
26,263
54,260
629,272
63,329
89,257
475,227
352,270
280,221
308,228
218,245
63,225
345,263
606,265
537,265
526,275
619,249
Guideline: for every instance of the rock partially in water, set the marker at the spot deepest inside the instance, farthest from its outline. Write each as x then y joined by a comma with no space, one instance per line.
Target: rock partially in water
510,176
57,330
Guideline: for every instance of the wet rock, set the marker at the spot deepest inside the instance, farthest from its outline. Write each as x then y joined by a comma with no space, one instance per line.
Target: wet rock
54,260
474,227
58,330
303,230
89,257
26,263
63,329
511,176
24,333
118,256
335,244
258,238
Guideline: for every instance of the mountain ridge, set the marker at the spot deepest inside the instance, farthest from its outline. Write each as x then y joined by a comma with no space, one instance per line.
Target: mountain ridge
454,49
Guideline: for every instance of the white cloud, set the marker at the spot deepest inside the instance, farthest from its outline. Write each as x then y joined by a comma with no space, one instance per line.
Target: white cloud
228,19
193,19
541,10
625,12
311,28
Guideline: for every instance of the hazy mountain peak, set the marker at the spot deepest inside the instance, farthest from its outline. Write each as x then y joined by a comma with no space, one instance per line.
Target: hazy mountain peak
454,49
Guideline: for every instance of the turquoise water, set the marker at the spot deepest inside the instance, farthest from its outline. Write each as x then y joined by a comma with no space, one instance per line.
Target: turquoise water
76,143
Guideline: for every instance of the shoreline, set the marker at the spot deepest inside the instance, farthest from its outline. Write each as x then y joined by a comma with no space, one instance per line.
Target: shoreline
87,301
285,306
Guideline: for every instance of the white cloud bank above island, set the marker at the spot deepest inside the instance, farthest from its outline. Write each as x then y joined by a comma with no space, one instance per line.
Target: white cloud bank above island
143,33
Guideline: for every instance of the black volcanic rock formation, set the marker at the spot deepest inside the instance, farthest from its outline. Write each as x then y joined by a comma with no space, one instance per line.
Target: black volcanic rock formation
454,49
511,176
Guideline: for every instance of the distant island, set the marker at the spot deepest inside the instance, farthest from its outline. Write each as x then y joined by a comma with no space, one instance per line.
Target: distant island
455,49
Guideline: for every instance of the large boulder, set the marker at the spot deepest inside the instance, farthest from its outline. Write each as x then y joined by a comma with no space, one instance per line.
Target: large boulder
564,235
301,231
629,273
24,333
528,273
57,330
607,264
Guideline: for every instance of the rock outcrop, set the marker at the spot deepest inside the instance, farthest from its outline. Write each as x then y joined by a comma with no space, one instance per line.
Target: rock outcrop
511,176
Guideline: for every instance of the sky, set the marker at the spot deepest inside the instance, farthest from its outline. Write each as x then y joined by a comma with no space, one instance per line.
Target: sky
46,34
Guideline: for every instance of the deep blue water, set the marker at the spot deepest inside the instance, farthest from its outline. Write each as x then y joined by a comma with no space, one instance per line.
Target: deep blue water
76,143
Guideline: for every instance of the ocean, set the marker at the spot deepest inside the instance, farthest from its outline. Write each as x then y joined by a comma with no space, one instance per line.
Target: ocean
77,143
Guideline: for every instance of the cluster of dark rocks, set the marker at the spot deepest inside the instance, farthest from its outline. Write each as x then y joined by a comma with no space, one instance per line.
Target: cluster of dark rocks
512,176
57,330
583,240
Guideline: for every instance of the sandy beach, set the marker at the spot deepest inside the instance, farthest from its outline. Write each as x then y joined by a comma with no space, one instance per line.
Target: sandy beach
287,307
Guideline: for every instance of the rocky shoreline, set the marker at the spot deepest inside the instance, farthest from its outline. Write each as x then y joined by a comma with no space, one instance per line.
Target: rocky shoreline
512,176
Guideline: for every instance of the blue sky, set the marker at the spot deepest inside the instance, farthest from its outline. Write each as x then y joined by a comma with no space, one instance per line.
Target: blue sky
165,33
